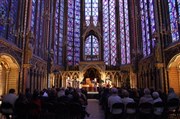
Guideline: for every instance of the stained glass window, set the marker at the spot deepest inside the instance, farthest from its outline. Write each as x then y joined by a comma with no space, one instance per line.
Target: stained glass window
8,15
73,32
91,48
4,15
41,26
124,31
33,17
59,29
37,21
148,25
174,8
91,9
109,32
12,17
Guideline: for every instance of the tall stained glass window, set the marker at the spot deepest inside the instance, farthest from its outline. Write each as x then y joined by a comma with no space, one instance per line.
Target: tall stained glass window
91,48
174,14
12,17
148,25
124,31
4,4
109,32
33,16
73,32
37,20
59,29
8,16
91,10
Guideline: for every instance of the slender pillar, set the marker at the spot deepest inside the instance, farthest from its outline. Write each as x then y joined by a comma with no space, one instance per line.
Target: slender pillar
26,83
7,80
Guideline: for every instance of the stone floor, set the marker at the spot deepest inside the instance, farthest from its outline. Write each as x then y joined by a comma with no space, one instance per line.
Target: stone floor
94,109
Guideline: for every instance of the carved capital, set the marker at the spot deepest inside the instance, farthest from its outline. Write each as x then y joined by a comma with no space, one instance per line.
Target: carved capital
159,65
26,65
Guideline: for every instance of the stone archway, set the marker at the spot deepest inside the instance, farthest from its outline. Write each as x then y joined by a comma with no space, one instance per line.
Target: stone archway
93,74
9,73
174,73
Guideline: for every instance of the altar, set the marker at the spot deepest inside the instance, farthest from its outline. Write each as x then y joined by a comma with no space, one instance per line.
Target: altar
89,85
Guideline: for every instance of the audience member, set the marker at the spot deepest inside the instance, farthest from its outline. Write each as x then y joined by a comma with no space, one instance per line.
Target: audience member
114,98
171,94
8,103
156,97
28,94
147,97
11,97
61,93
126,99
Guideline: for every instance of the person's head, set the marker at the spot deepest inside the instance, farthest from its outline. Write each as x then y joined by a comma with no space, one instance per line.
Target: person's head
114,90
35,93
11,90
125,93
171,90
147,91
155,95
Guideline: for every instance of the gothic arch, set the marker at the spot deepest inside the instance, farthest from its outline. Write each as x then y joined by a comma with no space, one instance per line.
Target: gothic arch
173,69
9,73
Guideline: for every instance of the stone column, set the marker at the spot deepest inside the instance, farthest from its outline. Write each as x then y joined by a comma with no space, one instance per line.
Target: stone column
1,77
7,80
26,83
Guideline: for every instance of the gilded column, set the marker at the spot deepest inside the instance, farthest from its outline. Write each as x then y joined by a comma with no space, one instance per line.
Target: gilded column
7,80
1,77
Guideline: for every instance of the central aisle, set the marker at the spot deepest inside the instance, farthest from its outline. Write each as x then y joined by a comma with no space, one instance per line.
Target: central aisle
94,109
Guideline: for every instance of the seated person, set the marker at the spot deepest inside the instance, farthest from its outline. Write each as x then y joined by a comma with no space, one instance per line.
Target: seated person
114,98
8,103
171,94
126,98
156,97
147,97
11,97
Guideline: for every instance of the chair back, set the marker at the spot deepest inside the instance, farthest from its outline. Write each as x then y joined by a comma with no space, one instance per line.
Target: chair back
131,108
146,108
6,105
158,108
173,104
173,107
6,108
75,110
61,110
117,108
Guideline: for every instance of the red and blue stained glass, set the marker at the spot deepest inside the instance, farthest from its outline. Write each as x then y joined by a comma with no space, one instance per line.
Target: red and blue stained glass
91,9
73,32
109,32
174,18
148,25
124,31
91,48
59,29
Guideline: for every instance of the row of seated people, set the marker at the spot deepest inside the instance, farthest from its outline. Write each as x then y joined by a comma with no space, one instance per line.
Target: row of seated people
119,103
48,104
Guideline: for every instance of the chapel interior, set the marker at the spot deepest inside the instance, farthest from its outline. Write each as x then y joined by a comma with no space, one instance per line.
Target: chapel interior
89,43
